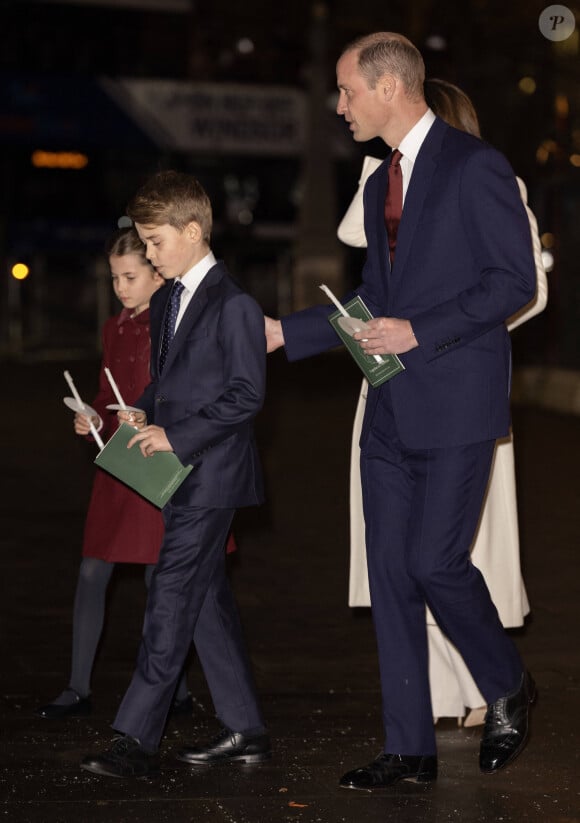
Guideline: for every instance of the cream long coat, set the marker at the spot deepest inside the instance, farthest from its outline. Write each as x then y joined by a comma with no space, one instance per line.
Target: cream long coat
496,550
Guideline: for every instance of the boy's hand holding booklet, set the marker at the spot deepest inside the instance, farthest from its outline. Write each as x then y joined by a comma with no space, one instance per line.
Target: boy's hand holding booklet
156,477
347,321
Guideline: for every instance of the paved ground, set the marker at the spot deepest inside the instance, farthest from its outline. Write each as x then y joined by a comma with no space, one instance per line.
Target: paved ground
314,657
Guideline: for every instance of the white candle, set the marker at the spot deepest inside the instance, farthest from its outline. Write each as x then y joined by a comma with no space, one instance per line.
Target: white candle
344,313
115,388
338,305
81,406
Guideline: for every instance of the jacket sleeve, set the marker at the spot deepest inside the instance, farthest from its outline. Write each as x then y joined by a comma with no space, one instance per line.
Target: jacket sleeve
242,342
497,230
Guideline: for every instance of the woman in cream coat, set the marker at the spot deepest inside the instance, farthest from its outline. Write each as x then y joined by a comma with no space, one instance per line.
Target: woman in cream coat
496,550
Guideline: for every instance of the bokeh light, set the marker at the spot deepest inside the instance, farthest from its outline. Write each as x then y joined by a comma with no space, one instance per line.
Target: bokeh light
20,271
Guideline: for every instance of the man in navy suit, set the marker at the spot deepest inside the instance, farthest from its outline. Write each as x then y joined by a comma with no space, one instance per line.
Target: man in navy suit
440,279
208,364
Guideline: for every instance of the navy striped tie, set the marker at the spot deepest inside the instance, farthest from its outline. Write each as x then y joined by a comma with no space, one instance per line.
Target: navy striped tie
171,313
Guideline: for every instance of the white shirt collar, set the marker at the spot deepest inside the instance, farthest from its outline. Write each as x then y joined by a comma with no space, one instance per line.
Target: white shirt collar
192,278
410,145
413,140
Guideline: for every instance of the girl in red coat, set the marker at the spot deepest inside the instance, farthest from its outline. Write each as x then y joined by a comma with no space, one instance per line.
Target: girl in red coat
121,526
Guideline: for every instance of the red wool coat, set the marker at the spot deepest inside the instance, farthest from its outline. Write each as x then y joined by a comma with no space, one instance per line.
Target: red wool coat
121,526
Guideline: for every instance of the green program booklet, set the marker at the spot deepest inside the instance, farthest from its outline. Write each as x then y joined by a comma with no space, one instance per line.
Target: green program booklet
374,371
156,478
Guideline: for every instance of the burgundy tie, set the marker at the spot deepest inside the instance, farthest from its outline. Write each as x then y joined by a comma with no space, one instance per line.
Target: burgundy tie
394,201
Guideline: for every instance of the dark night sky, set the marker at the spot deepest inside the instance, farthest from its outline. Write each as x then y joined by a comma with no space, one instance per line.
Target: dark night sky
488,46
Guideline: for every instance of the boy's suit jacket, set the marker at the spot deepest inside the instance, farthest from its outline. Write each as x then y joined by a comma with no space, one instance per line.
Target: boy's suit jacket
210,391
463,265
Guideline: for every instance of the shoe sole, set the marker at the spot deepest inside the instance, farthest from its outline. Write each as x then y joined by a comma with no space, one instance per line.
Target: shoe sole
105,773
379,788
240,758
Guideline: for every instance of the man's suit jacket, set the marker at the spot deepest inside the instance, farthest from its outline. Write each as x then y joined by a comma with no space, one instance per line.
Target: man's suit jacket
463,264
210,391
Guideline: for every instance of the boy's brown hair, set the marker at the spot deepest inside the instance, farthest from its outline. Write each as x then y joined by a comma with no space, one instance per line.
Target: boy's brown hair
174,198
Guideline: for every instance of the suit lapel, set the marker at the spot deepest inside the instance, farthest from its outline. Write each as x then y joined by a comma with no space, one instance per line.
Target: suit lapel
423,171
380,230
192,313
380,227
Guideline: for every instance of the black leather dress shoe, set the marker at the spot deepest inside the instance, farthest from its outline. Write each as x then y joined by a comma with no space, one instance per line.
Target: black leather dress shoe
390,768
125,758
506,727
79,707
228,746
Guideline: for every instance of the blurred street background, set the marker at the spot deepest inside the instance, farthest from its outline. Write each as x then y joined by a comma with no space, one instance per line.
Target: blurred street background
97,94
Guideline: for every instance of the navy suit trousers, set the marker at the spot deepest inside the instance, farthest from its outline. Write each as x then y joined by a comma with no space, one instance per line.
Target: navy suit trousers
190,599
421,510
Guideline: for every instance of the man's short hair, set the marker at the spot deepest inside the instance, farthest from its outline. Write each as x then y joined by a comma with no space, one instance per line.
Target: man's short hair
387,52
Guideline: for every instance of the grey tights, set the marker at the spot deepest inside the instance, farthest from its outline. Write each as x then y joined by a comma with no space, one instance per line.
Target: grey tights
88,619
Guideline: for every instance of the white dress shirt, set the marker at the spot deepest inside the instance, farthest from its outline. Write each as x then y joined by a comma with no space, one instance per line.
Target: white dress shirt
190,282
410,145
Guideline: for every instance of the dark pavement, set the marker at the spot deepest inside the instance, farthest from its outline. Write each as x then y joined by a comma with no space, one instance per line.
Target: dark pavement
314,657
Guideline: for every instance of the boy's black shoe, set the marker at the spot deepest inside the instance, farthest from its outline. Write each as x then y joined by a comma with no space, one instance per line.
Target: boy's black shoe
125,758
228,746
390,768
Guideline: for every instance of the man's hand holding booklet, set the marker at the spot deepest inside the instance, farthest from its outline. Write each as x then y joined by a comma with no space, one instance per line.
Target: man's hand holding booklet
347,321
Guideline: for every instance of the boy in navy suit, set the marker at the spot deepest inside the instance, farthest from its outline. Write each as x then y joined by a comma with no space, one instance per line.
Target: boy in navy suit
208,363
